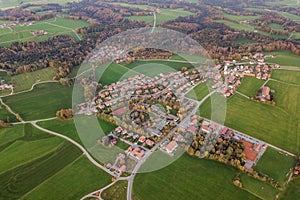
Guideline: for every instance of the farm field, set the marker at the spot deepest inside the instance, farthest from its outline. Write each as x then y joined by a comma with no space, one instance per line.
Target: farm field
287,76
261,189
26,148
68,128
163,16
116,192
285,58
199,92
270,124
289,15
13,3
275,165
18,181
132,5
26,80
66,183
245,41
241,17
43,102
214,181
7,116
276,26
250,86
54,26
292,190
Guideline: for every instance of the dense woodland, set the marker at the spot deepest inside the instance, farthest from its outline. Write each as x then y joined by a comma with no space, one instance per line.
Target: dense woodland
63,52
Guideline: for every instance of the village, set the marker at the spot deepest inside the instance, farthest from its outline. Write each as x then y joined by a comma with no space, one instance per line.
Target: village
151,111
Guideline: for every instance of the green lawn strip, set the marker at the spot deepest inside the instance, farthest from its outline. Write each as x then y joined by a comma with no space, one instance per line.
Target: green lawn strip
189,178
199,92
275,164
276,26
261,189
287,76
241,17
132,5
73,182
250,86
275,125
118,191
43,102
289,15
8,135
285,58
18,181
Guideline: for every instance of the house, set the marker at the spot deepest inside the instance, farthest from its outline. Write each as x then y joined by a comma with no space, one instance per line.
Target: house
119,111
191,129
205,129
225,131
142,139
171,146
122,169
149,142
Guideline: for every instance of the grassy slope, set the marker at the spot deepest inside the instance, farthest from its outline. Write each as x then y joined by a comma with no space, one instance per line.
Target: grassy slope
250,86
189,178
73,182
287,76
43,102
116,192
199,92
292,191
275,165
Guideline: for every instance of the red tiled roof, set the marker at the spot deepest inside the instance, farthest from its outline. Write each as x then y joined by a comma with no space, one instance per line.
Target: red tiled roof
250,155
247,144
120,111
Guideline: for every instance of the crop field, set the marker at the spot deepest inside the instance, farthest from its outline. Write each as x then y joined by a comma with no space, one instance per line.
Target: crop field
66,183
13,3
271,124
199,92
163,16
68,128
250,86
285,58
116,192
26,80
292,190
54,26
213,181
287,76
275,165
42,102
18,181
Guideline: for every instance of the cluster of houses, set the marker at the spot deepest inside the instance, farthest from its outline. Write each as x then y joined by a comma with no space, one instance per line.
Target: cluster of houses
110,53
265,94
5,86
15,23
235,72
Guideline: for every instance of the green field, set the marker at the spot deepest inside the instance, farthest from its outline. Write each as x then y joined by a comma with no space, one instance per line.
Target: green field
275,165
68,128
199,92
245,41
116,192
7,116
283,3
72,182
132,5
292,191
289,15
13,3
189,178
285,58
18,181
250,86
26,149
278,125
276,26
239,18
54,26
163,16
287,76
261,189
26,80
43,102
9,135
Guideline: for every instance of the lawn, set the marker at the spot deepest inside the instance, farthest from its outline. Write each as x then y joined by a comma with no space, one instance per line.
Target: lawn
275,165
250,86
287,76
261,189
24,151
289,15
43,102
116,192
132,5
276,26
14,3
241,17
285,58
54,26
163,16
72,182
26,80
277,125
199,92
19,181
292,191
189,178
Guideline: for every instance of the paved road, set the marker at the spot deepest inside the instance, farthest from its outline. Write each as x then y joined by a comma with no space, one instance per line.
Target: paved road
154,22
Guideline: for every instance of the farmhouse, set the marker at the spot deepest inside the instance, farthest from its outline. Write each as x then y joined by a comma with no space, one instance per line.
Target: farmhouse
171,146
